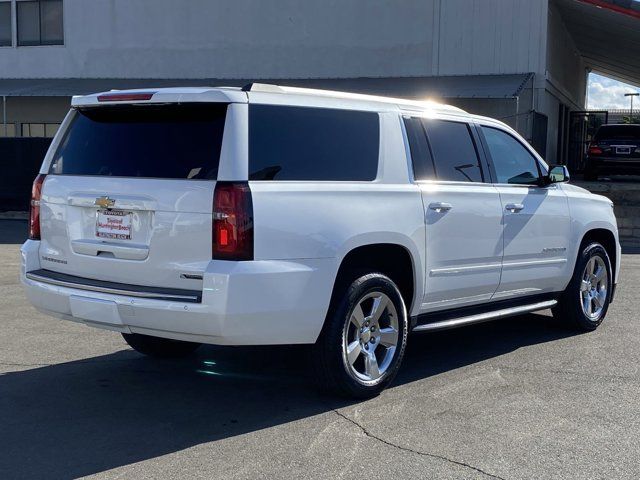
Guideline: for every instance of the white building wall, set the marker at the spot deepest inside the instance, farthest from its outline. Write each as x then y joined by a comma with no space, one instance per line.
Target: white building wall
566,70
288,39
491,36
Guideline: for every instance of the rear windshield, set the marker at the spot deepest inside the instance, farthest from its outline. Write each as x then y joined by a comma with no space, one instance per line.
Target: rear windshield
618,132
156,141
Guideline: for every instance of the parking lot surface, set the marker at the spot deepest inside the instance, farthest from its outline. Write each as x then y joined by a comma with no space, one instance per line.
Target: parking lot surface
519,398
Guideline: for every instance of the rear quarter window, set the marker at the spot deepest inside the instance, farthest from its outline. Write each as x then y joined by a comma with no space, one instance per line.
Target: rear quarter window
302,143
153,141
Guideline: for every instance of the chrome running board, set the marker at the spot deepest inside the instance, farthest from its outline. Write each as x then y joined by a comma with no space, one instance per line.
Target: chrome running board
484,317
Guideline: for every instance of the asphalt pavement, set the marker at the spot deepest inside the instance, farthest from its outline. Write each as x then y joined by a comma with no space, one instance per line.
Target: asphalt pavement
520,398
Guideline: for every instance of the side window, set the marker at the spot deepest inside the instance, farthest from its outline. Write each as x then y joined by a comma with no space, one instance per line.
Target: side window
40,22
5,24
420,153
301,143
512,161
454,152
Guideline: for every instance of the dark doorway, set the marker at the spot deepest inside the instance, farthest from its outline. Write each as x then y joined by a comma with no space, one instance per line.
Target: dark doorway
539,133
562,144
20,159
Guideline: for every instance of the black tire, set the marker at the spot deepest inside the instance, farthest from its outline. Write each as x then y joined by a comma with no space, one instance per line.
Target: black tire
159,347
570,309
334,371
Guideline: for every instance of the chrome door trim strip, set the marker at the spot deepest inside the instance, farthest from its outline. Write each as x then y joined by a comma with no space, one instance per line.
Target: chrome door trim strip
435,272
534,263
485,317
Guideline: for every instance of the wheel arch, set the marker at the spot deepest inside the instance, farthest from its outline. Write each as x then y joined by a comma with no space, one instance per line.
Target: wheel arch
607,239
395,260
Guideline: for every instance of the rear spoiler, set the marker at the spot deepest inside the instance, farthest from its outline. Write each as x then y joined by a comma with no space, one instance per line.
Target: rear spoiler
161,95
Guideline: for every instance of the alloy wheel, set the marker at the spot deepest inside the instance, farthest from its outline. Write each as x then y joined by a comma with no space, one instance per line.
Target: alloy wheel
370,338
593,288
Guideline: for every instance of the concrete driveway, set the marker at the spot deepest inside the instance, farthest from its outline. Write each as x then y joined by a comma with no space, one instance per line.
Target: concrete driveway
516,399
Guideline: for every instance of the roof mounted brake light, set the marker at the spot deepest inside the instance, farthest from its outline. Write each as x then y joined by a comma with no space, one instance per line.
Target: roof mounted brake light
125,97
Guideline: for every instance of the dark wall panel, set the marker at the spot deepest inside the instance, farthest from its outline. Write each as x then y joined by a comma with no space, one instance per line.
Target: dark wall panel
20,160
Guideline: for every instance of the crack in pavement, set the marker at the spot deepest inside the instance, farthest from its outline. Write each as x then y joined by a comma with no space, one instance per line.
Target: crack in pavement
410,450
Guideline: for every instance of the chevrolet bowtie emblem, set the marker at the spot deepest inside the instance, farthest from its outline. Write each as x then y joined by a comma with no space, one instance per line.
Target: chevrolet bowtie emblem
105,202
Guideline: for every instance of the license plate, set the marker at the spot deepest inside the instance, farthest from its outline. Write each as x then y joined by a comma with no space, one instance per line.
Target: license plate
114,224
623,150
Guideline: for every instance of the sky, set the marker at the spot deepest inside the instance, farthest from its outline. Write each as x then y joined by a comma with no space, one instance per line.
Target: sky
606,93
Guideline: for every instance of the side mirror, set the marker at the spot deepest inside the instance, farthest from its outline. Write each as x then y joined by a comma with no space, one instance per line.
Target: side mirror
558,174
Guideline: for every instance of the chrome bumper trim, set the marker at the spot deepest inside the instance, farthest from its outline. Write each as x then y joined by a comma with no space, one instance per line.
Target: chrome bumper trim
79,283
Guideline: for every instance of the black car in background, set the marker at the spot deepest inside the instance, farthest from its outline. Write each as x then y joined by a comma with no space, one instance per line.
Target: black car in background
615,149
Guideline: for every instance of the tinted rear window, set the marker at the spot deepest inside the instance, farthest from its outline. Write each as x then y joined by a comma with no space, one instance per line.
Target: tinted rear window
158,141
454,152
300,143
618,132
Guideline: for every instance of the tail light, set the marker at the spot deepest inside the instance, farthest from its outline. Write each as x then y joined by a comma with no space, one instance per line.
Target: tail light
595,150
34,208
232,222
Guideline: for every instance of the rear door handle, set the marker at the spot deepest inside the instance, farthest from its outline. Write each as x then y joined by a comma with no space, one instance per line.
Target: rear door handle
440,207
514,207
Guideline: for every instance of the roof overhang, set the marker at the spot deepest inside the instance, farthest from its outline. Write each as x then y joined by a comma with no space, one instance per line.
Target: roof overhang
607,34
460,86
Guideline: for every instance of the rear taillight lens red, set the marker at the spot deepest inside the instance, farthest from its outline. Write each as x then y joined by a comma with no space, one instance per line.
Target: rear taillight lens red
595,150
34,208
232,221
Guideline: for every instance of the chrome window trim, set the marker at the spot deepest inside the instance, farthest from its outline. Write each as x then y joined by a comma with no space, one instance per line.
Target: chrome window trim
452,182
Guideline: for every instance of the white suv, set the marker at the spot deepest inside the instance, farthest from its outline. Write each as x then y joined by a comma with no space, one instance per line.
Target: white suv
277,215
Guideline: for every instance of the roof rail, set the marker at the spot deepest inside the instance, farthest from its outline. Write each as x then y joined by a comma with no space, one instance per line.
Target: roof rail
401,102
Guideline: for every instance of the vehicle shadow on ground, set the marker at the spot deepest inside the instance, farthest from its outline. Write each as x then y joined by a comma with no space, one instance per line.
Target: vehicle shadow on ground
89,416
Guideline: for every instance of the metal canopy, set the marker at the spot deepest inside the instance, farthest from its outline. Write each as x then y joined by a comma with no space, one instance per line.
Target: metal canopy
607,34
473,86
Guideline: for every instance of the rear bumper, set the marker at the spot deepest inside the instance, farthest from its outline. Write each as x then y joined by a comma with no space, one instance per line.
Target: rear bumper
242,303
614,164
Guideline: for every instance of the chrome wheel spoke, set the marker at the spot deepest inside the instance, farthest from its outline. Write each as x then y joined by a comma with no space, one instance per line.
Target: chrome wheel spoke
371,366
357,316
379,306
388,337
599,298
586,305
596,301
353,352
600,273
585,285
